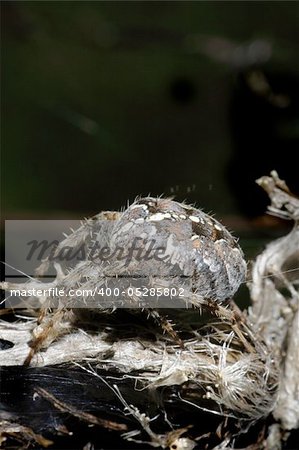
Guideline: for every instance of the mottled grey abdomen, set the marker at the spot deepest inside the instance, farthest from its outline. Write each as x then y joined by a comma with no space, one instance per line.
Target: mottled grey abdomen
196,246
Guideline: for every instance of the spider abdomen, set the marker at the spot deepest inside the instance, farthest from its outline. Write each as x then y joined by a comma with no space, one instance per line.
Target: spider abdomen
193,246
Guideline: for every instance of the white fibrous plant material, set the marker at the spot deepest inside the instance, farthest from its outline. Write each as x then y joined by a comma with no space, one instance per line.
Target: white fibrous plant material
231,363
275,299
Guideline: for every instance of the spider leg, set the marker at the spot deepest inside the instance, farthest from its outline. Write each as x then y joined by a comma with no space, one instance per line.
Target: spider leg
166,325
50,327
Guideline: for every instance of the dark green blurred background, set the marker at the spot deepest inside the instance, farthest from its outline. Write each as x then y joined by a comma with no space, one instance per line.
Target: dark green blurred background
102,101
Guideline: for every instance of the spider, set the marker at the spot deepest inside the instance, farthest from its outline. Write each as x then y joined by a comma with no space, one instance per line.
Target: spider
156,245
